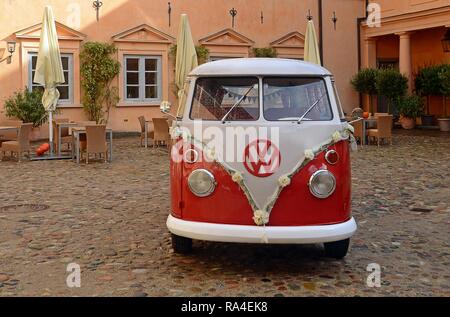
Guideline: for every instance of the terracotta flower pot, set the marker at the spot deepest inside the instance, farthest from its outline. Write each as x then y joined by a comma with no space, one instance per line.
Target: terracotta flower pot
444,124
408,123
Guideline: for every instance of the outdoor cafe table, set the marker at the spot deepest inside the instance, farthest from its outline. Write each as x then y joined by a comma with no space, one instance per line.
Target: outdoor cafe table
77,131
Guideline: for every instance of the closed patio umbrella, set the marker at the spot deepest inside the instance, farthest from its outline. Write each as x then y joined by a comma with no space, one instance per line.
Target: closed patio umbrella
186,58
312,54
49,71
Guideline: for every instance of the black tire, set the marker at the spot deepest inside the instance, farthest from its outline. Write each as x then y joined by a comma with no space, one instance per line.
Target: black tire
181,244
337,249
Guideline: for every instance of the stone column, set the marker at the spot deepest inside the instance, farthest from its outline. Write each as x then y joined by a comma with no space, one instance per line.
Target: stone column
369,61
405,57
370,53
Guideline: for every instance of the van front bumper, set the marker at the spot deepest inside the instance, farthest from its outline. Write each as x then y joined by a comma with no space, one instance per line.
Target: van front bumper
256,234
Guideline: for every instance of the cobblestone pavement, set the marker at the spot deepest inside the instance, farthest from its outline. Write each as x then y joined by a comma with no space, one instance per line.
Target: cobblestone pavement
110,219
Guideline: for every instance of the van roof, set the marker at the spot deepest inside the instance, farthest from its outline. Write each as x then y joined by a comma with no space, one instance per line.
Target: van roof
259,66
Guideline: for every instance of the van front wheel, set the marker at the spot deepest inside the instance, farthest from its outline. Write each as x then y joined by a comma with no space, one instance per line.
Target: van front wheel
337,249
181,244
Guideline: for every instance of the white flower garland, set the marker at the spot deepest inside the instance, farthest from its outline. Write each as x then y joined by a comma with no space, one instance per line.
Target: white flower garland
309,154
237,177
284,181
261,216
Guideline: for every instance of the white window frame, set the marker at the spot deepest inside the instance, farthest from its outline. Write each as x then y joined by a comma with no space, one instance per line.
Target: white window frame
141,83
61,102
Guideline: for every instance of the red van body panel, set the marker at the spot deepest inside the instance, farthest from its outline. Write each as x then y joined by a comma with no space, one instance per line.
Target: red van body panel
296,206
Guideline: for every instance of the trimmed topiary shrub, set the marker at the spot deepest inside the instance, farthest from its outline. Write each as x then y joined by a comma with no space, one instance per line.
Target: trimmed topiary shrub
428,82
391,84
364,82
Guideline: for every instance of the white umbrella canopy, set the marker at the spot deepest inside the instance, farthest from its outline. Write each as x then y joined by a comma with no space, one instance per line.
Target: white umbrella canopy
49,71
312,54
186,58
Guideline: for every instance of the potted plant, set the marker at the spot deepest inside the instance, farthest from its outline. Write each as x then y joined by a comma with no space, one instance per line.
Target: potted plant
364,82
428,84
391,84
444,76
27,106
410,108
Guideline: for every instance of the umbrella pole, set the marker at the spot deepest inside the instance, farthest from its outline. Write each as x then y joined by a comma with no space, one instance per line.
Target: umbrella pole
50,132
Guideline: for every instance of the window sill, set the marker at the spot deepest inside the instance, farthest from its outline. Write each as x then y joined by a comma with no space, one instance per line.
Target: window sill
139,104
69,105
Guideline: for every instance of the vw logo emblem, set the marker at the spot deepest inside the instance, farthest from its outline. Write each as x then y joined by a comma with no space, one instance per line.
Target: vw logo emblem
262,158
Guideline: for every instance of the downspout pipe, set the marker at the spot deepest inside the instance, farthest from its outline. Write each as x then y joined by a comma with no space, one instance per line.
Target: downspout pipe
320,6
358,32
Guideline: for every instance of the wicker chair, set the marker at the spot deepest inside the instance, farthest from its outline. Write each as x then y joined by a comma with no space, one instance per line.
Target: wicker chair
356,113
150,132
358,126
9,135
161,131
383,130
95,142
21,145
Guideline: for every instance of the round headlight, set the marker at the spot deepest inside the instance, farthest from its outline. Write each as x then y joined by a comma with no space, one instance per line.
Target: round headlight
322,184
201,182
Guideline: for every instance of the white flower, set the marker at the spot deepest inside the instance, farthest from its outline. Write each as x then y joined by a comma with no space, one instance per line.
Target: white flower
309,154
165,106
284,181
337,136
185,135
176,132
261,217
350,128
237,177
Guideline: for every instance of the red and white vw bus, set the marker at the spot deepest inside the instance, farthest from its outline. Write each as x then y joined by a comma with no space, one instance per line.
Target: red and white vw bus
261,155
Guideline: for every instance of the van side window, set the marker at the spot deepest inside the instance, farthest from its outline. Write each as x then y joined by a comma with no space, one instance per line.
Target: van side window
288,98
214,97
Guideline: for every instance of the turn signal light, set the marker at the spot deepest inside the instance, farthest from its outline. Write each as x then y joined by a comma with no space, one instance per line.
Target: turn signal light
332,157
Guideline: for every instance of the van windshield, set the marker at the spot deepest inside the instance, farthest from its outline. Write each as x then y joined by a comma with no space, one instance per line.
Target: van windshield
289,98
214,97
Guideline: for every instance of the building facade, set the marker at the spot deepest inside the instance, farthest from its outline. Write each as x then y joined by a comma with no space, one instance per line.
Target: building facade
144,31
409,37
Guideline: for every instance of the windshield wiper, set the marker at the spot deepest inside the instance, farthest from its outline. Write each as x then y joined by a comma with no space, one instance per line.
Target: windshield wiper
237,103
310,108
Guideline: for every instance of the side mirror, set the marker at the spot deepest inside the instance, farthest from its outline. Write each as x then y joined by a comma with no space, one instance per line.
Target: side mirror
165,108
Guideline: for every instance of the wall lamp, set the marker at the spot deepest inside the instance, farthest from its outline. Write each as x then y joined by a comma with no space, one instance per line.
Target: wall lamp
11,47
